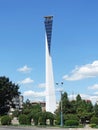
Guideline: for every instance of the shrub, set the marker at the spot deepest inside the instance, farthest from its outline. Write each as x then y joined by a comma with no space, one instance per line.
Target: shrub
93,125
5,120
24,120
71,117
16,113
94,120
57,120
72,123
42,119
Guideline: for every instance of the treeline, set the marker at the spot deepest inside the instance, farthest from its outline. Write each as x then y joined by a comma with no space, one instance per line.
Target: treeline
80,110
75,112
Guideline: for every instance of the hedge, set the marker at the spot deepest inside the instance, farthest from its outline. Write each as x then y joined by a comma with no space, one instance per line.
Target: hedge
5,120
72,123
24,120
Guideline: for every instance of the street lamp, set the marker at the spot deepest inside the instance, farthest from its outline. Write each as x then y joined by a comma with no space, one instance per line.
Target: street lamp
61,112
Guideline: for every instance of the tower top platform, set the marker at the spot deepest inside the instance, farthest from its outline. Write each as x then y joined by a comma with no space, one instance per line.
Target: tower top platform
48,17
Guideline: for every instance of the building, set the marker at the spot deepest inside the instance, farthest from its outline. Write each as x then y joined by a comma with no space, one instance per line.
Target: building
50,89
18,102
42,104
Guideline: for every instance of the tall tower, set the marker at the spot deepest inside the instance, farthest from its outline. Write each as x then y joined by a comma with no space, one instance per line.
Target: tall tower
50,90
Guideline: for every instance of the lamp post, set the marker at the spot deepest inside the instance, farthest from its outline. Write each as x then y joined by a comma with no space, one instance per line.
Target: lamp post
61,111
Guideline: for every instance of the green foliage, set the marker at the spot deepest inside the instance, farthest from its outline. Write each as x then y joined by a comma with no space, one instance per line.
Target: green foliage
24,120
16,113
28,107
71,117
72,123
57,119
89,106
84,109
73,107
79,109
65,103
36,117
96,110
94,120
8,90
78,98
43,116
5,120
50,116
92,125
26,111
32,111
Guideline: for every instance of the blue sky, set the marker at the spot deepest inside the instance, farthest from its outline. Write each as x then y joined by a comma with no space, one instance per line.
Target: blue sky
74,45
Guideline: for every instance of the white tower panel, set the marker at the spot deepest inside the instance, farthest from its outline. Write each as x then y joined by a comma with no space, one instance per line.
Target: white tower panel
50,89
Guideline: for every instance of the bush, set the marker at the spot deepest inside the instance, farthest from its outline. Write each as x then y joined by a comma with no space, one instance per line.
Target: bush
57,119
42,118
94,120
71,117
16,113
24,120
5,120
93,125
72,123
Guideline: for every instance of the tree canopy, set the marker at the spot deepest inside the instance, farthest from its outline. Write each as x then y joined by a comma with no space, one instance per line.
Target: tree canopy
8,91
79,109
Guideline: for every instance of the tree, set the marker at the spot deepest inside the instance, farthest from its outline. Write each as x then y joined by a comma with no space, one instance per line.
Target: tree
8,91
78,98
79,109
71,117
84,109
94,120
96,110
50,116
32,111
89,106
73,107
46,118
66,107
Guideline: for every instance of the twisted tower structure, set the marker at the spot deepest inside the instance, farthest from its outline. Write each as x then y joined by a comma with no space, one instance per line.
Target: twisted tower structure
50,89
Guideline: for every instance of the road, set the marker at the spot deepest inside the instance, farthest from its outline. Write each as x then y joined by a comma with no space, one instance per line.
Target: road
26,128
36,128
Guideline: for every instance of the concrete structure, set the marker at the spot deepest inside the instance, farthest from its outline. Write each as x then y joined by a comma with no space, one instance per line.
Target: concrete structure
18,104
50,90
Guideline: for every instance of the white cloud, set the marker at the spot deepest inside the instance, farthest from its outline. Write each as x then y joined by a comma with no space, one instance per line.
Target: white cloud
31,93
94,87
25,69
85,71
96,93
42,85
83,96
59,89
26,81
92,98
